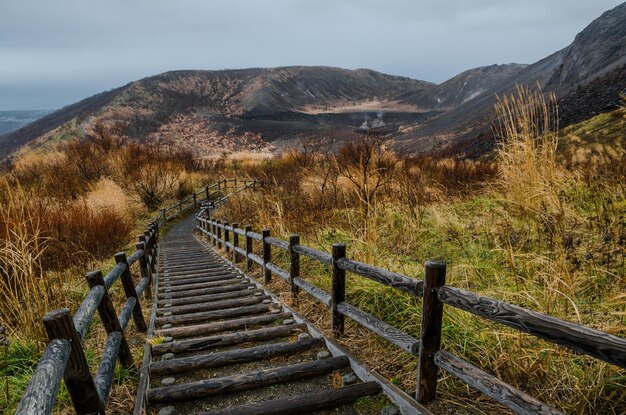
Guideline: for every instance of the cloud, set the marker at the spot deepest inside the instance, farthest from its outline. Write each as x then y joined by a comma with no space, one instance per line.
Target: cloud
92,45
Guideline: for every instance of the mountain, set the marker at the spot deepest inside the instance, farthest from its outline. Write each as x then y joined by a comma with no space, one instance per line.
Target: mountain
14,120
593,66
265,109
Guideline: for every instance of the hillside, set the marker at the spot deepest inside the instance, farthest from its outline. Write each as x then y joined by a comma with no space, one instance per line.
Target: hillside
594,62
262,110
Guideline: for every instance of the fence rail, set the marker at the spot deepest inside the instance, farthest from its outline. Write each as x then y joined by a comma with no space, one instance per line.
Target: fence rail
64,357
435,294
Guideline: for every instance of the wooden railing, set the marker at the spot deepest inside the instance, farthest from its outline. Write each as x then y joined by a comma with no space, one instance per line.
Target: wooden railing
238,244
64,357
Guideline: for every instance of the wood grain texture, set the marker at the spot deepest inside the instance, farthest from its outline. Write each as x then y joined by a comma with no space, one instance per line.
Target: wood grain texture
278,271
316,292
338,276
267,256
231,357
516,400
256,259
294,264
130,291
603,346
87,309
430,341
218,386
189,295
324,257
109,319
78,380
304,403
391,279
218,326
106,368
279,243
404,341
41,392
214,314
126,312
254,235
237,291
204,343
215,305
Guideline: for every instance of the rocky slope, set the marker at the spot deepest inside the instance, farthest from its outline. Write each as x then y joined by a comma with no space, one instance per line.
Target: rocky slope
264,109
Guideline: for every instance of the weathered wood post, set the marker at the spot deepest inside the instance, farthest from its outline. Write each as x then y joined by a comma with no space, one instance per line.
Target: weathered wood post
219,234
236,256
164,216
339,289
109,317
129,288
180,207
195,200
78,380
206,189
294,265
144,269
213,233
267,256
248,229
432,315
226,237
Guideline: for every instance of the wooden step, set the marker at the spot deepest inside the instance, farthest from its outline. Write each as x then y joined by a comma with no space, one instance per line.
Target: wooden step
304,403
185,310
206,291
229,384
241,292
204,343
214,315
225,325
231,357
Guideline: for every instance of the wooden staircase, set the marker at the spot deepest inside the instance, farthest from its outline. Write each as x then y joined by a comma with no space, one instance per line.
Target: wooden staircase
223,345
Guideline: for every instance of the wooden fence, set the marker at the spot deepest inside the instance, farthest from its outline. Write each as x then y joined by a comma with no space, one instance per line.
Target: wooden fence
64,357
238,244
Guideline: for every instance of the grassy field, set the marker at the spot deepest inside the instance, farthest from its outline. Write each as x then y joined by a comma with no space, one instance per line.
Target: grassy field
540,224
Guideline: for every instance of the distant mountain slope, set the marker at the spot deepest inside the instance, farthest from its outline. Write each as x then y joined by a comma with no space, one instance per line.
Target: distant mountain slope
251,108
599,51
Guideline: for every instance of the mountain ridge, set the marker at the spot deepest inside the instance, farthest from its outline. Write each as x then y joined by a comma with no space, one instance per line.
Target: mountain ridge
278,105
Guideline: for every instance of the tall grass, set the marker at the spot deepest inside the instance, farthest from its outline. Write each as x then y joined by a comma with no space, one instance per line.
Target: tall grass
528,124
535,234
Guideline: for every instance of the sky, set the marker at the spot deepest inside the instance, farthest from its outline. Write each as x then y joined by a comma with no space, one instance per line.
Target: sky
56,52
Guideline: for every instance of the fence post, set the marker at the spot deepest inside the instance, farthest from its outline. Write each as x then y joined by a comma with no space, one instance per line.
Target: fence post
206,189
80,384
226,238
109,318
294,265
432,315
213,233
236,256
248,229
267,256
339,289
180,207
195,200
219,235
144,270
164,216
129,288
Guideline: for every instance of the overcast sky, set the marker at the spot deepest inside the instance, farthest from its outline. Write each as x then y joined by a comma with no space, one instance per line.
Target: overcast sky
56,52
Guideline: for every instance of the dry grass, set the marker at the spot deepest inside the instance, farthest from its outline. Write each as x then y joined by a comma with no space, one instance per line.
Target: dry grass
540,234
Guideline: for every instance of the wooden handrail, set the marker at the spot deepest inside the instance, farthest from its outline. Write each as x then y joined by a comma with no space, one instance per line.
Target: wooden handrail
436,294
64,356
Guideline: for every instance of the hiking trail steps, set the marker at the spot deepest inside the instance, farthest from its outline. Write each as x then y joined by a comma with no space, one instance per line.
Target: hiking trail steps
223,345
